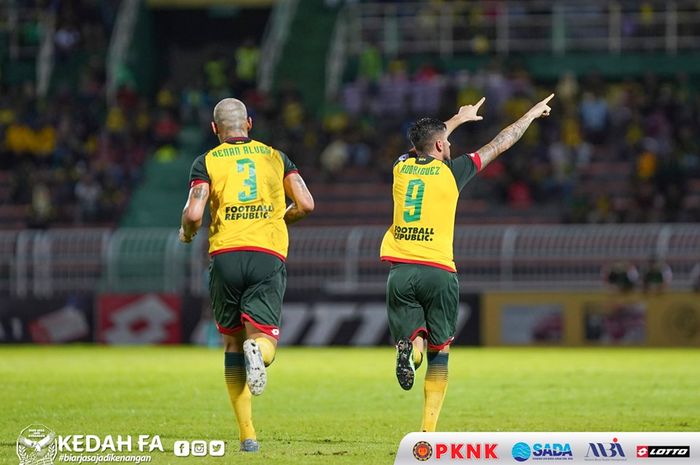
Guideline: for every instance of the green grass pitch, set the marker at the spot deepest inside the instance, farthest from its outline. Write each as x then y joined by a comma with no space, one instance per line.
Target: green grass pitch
341,405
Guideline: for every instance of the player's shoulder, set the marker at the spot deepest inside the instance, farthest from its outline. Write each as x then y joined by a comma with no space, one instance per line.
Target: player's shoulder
465,159
265,148
404,158
201,158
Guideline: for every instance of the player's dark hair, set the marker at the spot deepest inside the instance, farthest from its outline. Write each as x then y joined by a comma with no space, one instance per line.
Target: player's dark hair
422,133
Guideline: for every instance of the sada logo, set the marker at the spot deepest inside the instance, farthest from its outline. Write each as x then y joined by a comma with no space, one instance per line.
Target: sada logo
521,451
542,451
36,445
422,451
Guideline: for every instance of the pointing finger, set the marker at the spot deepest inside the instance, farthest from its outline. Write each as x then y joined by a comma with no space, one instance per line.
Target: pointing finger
551,96
478,104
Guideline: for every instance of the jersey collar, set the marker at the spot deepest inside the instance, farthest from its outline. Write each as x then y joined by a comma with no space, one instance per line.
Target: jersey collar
424,159
237,140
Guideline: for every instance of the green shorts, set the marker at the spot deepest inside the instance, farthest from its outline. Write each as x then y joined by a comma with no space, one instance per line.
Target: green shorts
422,299
247,286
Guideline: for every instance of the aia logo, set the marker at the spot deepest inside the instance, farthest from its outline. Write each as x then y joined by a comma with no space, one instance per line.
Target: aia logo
605,450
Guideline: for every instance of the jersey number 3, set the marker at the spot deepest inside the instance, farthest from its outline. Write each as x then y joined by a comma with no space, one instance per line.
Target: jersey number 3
414,200
251,182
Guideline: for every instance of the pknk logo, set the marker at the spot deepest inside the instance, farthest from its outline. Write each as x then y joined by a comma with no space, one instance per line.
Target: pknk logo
422,451
663,451
466,451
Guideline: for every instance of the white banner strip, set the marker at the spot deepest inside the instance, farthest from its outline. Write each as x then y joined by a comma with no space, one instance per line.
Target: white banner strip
550,448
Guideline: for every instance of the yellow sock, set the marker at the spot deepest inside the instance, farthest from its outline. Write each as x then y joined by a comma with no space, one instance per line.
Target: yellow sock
239,394
267,349
434,389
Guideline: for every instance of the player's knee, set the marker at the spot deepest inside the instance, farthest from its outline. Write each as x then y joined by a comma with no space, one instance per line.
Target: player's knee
232,344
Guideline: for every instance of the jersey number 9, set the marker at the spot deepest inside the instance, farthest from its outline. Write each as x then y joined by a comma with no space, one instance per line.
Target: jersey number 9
414,200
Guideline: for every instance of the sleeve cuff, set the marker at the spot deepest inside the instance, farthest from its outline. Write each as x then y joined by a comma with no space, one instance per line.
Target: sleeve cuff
476,159
290,172
194,182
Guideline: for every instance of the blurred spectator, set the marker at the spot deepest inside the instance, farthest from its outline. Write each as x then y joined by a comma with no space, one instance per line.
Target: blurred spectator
165,128
370,64
334,157
519,195
215,70
594,117
42,208
247,59
602,211
66,38
657,276
394,90
87,192
621,276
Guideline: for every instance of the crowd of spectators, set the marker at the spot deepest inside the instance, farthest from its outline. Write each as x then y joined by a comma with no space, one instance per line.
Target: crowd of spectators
611,151
74,156
63,162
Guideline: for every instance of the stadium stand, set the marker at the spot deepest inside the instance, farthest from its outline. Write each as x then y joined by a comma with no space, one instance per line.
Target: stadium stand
622,149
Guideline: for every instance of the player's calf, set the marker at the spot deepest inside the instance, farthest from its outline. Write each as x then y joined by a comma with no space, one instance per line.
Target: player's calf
434,388
239,394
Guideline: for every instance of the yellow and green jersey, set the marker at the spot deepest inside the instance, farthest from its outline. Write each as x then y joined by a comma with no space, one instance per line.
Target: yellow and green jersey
425,193
246,199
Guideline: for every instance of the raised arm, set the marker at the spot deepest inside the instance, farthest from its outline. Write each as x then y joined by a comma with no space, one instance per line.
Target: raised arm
302,201
510,135
194,211
466,113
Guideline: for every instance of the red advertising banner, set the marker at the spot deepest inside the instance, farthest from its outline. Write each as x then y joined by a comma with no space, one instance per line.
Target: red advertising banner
138,318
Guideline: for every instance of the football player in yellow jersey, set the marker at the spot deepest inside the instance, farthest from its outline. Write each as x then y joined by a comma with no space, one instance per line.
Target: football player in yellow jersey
245,183
422,287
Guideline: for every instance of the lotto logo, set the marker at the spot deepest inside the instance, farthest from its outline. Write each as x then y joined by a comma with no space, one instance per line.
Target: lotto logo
199,448
663,451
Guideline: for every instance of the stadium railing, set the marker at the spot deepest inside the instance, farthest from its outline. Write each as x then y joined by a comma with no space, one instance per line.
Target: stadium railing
339,260
511,27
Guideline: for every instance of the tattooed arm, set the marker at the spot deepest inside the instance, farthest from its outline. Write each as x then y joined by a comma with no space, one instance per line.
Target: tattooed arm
194,211
510,135
303,202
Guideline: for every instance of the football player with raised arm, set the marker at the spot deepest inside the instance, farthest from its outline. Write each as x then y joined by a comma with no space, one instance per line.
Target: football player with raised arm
422,287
